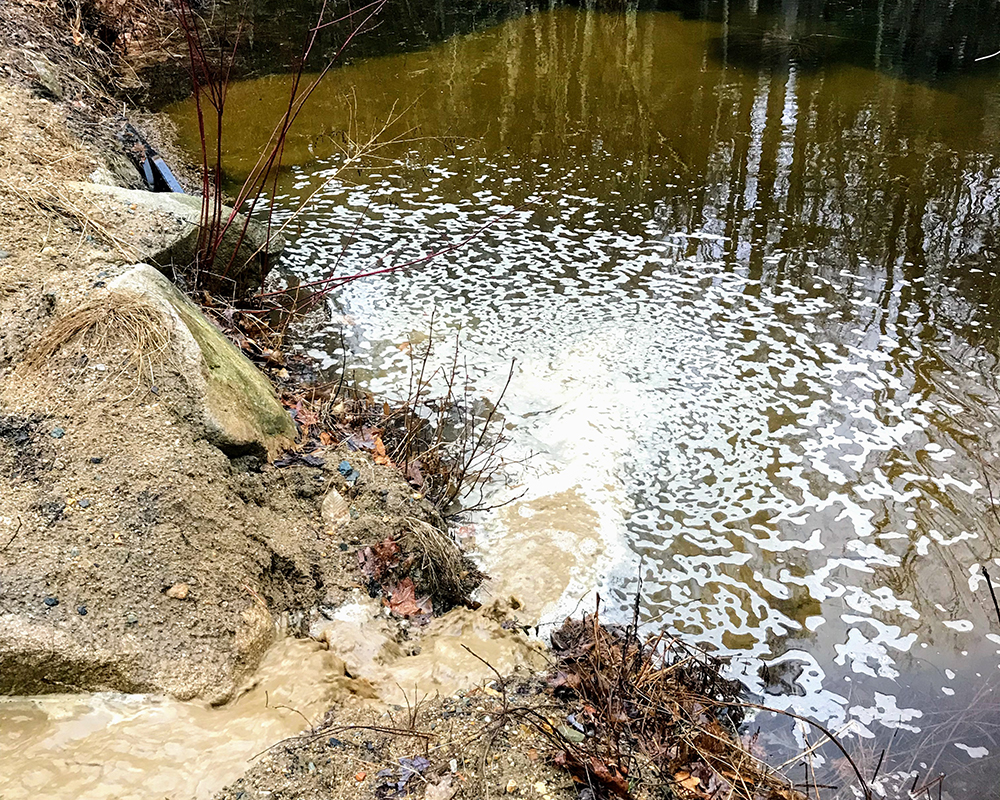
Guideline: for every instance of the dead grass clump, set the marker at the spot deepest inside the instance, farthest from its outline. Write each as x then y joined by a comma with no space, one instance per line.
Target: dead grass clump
421,571
439,567
118,319
653,719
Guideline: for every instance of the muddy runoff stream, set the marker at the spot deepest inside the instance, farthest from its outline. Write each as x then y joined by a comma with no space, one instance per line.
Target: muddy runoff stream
752,308
114,745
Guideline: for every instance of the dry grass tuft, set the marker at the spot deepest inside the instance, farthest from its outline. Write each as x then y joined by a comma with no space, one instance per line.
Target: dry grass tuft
118,319
442,569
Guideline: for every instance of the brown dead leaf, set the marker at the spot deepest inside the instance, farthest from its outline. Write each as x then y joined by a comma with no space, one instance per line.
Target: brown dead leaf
560,679
687,780
326,439
375,561
414,474
404,600
380,456
589,770
307,416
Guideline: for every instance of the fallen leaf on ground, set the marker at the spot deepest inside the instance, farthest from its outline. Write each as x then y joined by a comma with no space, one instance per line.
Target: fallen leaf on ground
404,600
306,416
413,473
687,780
377,559
443,790
380,456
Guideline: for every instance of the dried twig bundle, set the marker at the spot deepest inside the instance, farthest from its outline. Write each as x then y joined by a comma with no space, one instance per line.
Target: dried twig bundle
443,569
656,719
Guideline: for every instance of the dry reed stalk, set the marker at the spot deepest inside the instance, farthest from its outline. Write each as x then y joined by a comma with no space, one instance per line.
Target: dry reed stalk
210,76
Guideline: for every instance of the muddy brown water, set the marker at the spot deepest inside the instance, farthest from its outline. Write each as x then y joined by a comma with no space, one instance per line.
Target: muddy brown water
753,306
108,746
753,309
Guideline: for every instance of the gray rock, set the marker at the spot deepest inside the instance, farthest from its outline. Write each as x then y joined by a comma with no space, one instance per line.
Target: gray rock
242,260
46,76
229,399
37,657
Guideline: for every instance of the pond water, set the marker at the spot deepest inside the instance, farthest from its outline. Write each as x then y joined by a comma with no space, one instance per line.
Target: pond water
747,277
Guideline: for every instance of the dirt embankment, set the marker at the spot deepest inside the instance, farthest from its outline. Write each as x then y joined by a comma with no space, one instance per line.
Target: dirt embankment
135,553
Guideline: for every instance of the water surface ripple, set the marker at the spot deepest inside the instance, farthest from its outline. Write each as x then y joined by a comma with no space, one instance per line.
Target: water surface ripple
753,316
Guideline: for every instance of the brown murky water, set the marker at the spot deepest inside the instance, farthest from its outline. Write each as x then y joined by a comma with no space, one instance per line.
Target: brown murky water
110,746
115,746
754,311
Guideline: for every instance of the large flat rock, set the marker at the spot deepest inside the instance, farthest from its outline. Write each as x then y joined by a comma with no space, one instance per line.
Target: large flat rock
243,259
230,401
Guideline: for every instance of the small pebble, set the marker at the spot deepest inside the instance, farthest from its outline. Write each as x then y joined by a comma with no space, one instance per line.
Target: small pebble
179,591
51,602
4,254
97,460
131,618
84,503
511,786
453,765
360,776
57,433
81,610
154,389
